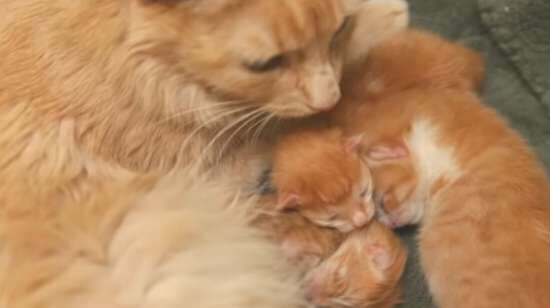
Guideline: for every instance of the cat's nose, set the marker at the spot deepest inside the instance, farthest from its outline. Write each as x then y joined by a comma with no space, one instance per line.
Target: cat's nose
325,94
326,104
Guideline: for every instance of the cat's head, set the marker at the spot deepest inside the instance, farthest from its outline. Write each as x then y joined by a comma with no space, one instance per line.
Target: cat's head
363,272
396,183
320,174
285,56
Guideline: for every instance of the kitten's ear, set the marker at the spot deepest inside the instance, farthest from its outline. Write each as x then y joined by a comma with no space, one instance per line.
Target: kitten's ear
387,151
353,144
287,201
380,257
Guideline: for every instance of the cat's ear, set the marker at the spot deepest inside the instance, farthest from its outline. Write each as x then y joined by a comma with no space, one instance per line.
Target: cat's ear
384,151
287,201
353,144
380,257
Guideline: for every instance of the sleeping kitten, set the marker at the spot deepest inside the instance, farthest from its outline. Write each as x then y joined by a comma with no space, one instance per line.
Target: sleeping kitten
442,159
318,172
363,272
359,269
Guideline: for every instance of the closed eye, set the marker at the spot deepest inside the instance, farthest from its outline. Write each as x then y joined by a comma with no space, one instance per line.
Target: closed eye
263,66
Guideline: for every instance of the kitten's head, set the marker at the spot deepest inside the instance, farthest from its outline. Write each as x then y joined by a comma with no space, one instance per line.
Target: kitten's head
283,55
363,272
320,174
396,182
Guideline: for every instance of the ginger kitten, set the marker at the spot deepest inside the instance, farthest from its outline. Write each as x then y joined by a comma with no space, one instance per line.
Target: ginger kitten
442,159
318,172
365,271
358,269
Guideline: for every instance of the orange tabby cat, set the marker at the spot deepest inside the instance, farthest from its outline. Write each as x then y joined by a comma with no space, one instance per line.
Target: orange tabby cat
93,89
319,173
152,85
442,159
363,272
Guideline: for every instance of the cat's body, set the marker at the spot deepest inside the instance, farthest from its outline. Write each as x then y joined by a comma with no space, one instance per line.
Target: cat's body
478,192
140,242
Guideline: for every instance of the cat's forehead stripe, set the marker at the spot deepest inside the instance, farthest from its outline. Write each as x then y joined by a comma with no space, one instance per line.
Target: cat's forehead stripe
300,22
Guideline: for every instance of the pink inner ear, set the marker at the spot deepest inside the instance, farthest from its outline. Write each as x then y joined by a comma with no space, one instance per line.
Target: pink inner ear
352,144
287,201
387,152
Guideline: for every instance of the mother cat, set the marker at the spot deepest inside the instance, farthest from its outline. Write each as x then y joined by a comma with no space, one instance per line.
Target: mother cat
94,94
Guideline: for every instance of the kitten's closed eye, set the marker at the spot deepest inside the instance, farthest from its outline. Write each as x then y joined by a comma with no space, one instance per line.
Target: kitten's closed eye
263,66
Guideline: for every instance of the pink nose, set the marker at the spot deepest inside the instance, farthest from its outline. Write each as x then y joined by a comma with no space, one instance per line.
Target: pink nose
327,102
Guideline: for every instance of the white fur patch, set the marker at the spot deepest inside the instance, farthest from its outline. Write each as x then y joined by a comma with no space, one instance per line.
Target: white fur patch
433,161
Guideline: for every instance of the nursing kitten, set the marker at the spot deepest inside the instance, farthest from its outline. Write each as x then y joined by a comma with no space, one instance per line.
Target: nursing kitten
358,269
318,172
442,159
363,272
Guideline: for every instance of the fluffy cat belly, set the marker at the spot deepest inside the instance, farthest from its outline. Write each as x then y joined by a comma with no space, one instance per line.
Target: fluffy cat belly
142,243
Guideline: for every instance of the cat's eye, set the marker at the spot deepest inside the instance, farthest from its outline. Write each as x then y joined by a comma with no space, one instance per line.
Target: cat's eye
268,65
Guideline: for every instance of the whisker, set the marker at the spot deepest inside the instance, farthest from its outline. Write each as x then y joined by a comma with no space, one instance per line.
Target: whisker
187,140
223,131
252,118
198,108
258,133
